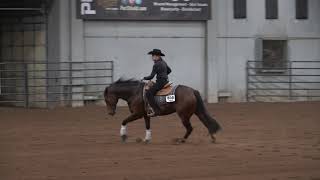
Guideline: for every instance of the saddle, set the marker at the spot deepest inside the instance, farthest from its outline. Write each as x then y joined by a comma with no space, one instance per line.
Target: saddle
167,89
165,95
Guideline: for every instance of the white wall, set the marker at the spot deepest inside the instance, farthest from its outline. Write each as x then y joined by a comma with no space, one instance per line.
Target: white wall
127,44
210,60
235,38
257,25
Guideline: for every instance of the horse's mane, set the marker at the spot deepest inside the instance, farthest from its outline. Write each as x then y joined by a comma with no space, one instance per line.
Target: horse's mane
122,81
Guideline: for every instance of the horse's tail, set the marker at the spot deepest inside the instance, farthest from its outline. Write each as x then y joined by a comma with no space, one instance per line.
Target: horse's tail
105,93
204,116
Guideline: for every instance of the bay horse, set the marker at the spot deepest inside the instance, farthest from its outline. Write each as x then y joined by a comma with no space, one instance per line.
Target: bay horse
188,102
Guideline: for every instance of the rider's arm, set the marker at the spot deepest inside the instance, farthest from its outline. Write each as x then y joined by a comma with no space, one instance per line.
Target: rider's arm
153,73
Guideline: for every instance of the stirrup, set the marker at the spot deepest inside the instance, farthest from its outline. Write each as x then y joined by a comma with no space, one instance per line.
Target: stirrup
151,112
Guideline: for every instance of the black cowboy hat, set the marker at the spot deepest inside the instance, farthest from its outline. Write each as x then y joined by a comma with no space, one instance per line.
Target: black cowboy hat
156,52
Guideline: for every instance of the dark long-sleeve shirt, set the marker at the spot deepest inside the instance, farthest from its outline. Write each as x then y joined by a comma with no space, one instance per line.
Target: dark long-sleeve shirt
161,69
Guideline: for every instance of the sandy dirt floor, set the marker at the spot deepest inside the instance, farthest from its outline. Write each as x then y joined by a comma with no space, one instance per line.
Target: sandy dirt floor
258,141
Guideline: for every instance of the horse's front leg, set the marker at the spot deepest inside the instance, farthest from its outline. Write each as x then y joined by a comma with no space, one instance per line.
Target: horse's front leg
123,130
147,138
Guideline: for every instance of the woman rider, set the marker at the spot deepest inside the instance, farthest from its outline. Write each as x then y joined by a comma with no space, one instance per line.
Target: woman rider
161,69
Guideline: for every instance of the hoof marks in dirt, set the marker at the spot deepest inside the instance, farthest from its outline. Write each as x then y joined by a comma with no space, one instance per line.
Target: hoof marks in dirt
316,158
139,140
178,141
315,178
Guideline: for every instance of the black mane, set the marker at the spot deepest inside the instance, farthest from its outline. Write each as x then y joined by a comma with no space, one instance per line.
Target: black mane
131,81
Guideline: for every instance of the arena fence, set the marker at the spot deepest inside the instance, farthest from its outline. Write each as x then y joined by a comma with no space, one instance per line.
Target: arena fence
50,84
288,81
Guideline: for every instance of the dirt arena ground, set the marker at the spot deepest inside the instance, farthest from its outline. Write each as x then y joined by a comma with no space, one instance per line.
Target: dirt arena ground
259,141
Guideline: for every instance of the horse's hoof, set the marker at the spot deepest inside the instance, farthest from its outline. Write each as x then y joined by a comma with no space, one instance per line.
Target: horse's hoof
146,141
124,138
138,140
213,139
179,140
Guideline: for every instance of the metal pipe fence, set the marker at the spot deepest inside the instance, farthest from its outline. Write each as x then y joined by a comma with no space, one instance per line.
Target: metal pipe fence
47,84
292,81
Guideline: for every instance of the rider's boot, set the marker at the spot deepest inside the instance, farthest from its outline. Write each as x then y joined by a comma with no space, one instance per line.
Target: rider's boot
154,110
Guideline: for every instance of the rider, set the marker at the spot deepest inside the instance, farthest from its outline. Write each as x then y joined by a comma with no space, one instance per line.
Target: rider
161,69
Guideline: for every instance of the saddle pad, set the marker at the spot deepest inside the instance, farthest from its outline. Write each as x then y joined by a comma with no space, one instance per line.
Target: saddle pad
163,99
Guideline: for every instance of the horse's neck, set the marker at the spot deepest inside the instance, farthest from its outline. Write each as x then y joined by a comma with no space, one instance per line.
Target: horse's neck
126,93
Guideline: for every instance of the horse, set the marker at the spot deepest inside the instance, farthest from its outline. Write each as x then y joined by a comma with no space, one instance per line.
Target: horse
187,102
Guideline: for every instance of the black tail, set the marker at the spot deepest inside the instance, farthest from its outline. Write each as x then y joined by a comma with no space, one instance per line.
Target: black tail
204,116
105,94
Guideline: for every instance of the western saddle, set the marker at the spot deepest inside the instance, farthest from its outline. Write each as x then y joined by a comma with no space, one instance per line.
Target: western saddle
164,91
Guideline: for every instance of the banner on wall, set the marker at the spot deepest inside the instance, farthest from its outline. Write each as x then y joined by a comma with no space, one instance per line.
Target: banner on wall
191,10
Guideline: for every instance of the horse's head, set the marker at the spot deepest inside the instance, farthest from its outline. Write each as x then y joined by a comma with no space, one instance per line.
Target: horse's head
121,89
111,101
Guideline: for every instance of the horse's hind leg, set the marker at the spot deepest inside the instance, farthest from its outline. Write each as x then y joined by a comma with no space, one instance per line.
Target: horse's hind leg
187,124
188,127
